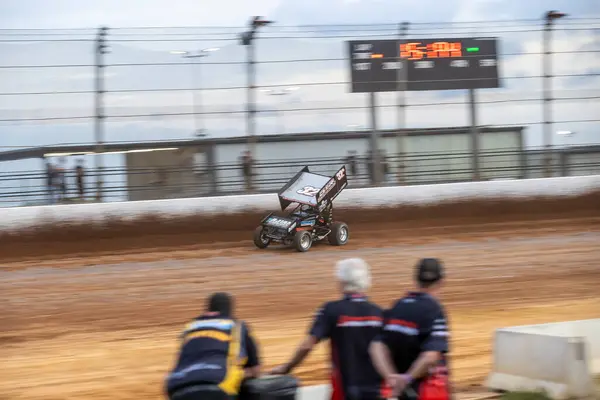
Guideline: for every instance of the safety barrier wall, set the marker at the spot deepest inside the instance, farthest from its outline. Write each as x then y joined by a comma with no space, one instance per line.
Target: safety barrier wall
561,358
18,218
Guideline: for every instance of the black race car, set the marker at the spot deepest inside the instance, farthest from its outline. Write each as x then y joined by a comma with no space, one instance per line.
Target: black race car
311,218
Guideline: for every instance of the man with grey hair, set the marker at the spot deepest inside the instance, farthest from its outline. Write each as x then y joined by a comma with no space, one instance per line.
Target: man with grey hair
350,323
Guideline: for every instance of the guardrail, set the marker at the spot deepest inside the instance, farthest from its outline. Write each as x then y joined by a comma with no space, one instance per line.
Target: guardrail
120,184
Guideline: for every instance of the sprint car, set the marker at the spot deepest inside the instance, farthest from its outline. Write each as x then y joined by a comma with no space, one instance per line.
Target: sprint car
311,217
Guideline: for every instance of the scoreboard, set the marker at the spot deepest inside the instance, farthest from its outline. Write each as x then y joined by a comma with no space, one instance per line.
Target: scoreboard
423,64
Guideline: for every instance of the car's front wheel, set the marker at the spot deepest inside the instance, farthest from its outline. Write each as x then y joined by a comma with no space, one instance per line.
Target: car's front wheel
302,241
339,234
260,239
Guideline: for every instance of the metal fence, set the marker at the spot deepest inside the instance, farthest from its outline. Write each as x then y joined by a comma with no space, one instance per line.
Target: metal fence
142,84
30,188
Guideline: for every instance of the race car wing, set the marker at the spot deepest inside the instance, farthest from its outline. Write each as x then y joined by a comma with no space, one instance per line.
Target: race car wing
303,188
336,184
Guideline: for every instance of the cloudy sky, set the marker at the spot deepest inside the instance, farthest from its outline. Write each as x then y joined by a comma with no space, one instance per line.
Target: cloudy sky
212,23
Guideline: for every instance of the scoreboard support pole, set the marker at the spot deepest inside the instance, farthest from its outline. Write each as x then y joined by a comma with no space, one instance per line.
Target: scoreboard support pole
401,136
401,85
474,135
374,141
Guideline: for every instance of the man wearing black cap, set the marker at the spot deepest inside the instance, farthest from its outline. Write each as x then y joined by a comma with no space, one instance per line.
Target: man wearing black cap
410,353
216,355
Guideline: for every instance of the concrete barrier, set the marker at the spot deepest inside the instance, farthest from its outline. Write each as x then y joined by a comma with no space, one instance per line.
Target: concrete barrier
317,392
559,358
24,217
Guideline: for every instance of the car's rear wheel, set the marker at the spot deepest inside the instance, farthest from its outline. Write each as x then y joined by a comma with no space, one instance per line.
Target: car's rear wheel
302,241
339,234
260,238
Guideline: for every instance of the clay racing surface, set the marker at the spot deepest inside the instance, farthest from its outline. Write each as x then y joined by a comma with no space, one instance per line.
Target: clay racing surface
104,325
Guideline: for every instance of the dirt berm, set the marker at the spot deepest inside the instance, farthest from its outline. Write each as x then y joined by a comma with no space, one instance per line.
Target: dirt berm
155,232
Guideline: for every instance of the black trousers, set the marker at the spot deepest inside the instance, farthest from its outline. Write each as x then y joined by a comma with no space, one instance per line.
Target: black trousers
200,392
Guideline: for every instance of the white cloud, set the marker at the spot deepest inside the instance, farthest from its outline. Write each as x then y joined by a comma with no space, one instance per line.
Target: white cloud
69,14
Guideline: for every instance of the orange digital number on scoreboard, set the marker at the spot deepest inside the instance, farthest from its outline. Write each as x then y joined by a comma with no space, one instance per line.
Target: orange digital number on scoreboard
417,51
411,51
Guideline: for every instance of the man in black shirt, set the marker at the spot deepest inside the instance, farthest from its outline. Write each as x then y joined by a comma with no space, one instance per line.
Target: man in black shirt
350,324
247,163
79,175
217,354
352,163
410,353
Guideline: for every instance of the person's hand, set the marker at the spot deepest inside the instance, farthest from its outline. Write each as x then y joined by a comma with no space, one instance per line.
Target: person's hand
279,370
398,383
253,372
391,382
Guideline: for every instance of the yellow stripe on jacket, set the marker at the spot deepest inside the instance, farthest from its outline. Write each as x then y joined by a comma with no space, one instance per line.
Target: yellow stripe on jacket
235,371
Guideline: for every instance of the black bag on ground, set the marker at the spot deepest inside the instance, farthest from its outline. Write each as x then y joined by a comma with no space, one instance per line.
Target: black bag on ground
278,387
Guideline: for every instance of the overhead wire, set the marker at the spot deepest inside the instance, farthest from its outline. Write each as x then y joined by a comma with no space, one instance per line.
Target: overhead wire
338,109
266,37
329,59
391,31
321,27
304,84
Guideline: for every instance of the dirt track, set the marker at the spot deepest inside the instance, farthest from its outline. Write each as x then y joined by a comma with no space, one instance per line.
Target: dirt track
103,325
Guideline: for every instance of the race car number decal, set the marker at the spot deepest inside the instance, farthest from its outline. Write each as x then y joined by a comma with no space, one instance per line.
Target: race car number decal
326,189
340,174
281,223
308,191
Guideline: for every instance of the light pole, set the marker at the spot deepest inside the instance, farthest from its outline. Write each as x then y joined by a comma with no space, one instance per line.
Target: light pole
280,92
247,39
196,98
549,17
100,50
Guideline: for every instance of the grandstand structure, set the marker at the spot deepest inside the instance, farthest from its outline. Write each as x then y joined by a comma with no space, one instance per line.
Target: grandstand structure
211,166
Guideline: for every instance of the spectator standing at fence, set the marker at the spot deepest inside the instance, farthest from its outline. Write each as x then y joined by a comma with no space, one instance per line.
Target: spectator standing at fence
370,166
60,180
57,182
79,176
385,166
350,324
411,351
50,181
352,163
248,170
217,353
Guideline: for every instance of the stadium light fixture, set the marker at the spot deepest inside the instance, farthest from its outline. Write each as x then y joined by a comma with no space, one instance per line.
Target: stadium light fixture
280,92
553,15
191,54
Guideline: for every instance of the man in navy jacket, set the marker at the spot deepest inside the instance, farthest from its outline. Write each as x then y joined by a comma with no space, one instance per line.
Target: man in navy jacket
217,353
350,323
